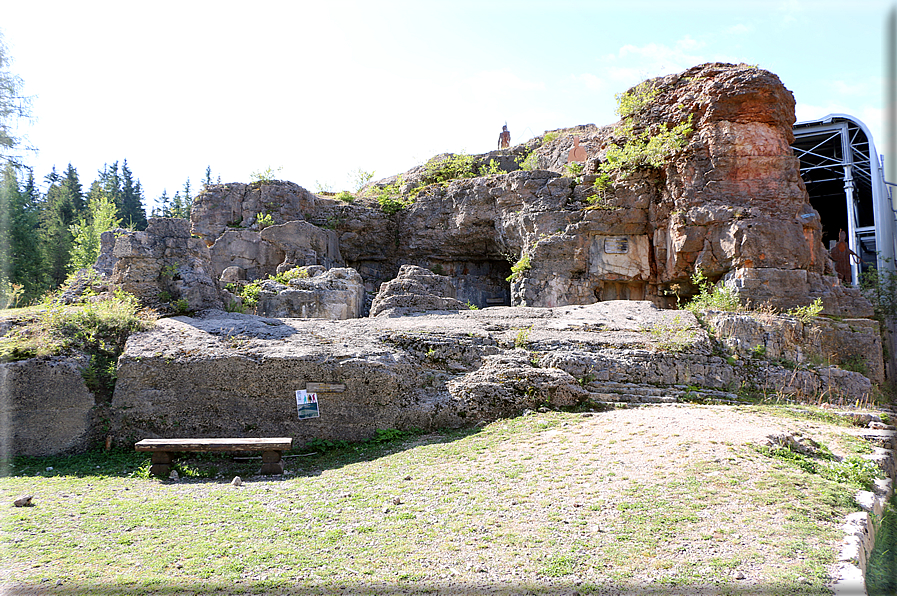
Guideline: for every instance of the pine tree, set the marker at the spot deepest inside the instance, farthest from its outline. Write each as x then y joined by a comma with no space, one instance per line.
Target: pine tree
62,207
131,211
20,251
207,181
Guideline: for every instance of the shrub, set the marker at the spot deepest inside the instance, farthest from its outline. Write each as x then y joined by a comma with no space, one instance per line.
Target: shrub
446,168
517,269
632,101
264,220
345,197
491,170
712,297
265,176
390,197
806,314
529,163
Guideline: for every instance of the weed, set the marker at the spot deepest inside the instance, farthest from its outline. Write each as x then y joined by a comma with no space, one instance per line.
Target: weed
517,269
881,569
235,306
852,470
673,336
635,99
712,297
573,170
758,352
359,179
855,363
449,167
264,220
99,329
265,176
521,340
170,271
550,136
472,306
491,170
529,163
345,197
806,314
10,293
390,198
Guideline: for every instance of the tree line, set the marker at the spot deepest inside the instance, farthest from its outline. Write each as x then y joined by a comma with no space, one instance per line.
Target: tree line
45,235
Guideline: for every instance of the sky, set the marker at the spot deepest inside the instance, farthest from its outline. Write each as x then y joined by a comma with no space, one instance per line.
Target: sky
316,90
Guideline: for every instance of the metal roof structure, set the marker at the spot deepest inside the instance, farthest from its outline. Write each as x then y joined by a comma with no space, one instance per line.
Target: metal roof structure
844,176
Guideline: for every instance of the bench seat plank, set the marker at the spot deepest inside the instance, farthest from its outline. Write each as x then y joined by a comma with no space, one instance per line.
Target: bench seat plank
206,445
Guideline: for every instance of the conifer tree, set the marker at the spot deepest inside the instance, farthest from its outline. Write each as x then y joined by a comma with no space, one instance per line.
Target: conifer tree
131,211
62,207
20,250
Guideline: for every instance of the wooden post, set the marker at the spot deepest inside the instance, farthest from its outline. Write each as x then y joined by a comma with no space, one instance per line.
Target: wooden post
161,463
271,463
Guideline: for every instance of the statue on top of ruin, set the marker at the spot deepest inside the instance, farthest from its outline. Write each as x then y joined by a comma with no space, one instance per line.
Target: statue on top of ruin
504,139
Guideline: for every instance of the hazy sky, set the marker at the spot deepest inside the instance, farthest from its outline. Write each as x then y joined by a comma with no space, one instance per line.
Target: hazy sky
321,88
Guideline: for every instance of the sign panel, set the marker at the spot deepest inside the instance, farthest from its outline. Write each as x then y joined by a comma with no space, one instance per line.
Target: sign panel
325,387
307,404
616,246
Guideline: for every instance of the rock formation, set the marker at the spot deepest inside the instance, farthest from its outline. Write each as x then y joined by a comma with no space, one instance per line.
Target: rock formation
607,251
314,294
229,374
729,203
415,290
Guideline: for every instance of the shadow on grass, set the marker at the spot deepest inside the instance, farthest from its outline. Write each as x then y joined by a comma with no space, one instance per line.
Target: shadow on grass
222,467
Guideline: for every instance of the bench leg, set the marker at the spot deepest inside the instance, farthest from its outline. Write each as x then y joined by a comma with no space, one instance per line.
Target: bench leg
161,463
271,463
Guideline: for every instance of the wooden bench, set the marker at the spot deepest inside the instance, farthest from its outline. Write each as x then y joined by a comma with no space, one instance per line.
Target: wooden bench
163,450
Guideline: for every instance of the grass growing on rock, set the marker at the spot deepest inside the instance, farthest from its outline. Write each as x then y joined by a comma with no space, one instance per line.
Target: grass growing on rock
674,498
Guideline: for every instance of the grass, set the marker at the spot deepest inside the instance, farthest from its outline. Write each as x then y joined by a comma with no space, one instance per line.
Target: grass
881,572
98,329
547,503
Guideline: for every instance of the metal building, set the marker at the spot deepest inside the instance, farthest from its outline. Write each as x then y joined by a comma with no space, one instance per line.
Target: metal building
844,175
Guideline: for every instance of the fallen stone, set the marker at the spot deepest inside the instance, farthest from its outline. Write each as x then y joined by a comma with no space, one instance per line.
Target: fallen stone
24,501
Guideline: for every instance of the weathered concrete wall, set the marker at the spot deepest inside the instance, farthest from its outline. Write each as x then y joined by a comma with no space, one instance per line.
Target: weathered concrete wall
45,407
236,375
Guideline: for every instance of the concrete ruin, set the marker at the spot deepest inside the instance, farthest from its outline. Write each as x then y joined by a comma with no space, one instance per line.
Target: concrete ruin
529,232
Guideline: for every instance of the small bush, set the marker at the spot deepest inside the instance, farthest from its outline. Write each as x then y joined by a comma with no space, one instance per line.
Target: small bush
390,197
345,197
265,176
264,220
491,170
805,314
634,100
446,168
517,269
529,163
712,297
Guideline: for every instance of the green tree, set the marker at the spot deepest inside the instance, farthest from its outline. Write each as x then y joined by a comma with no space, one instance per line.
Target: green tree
62,207
132,211
86,245
20,250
